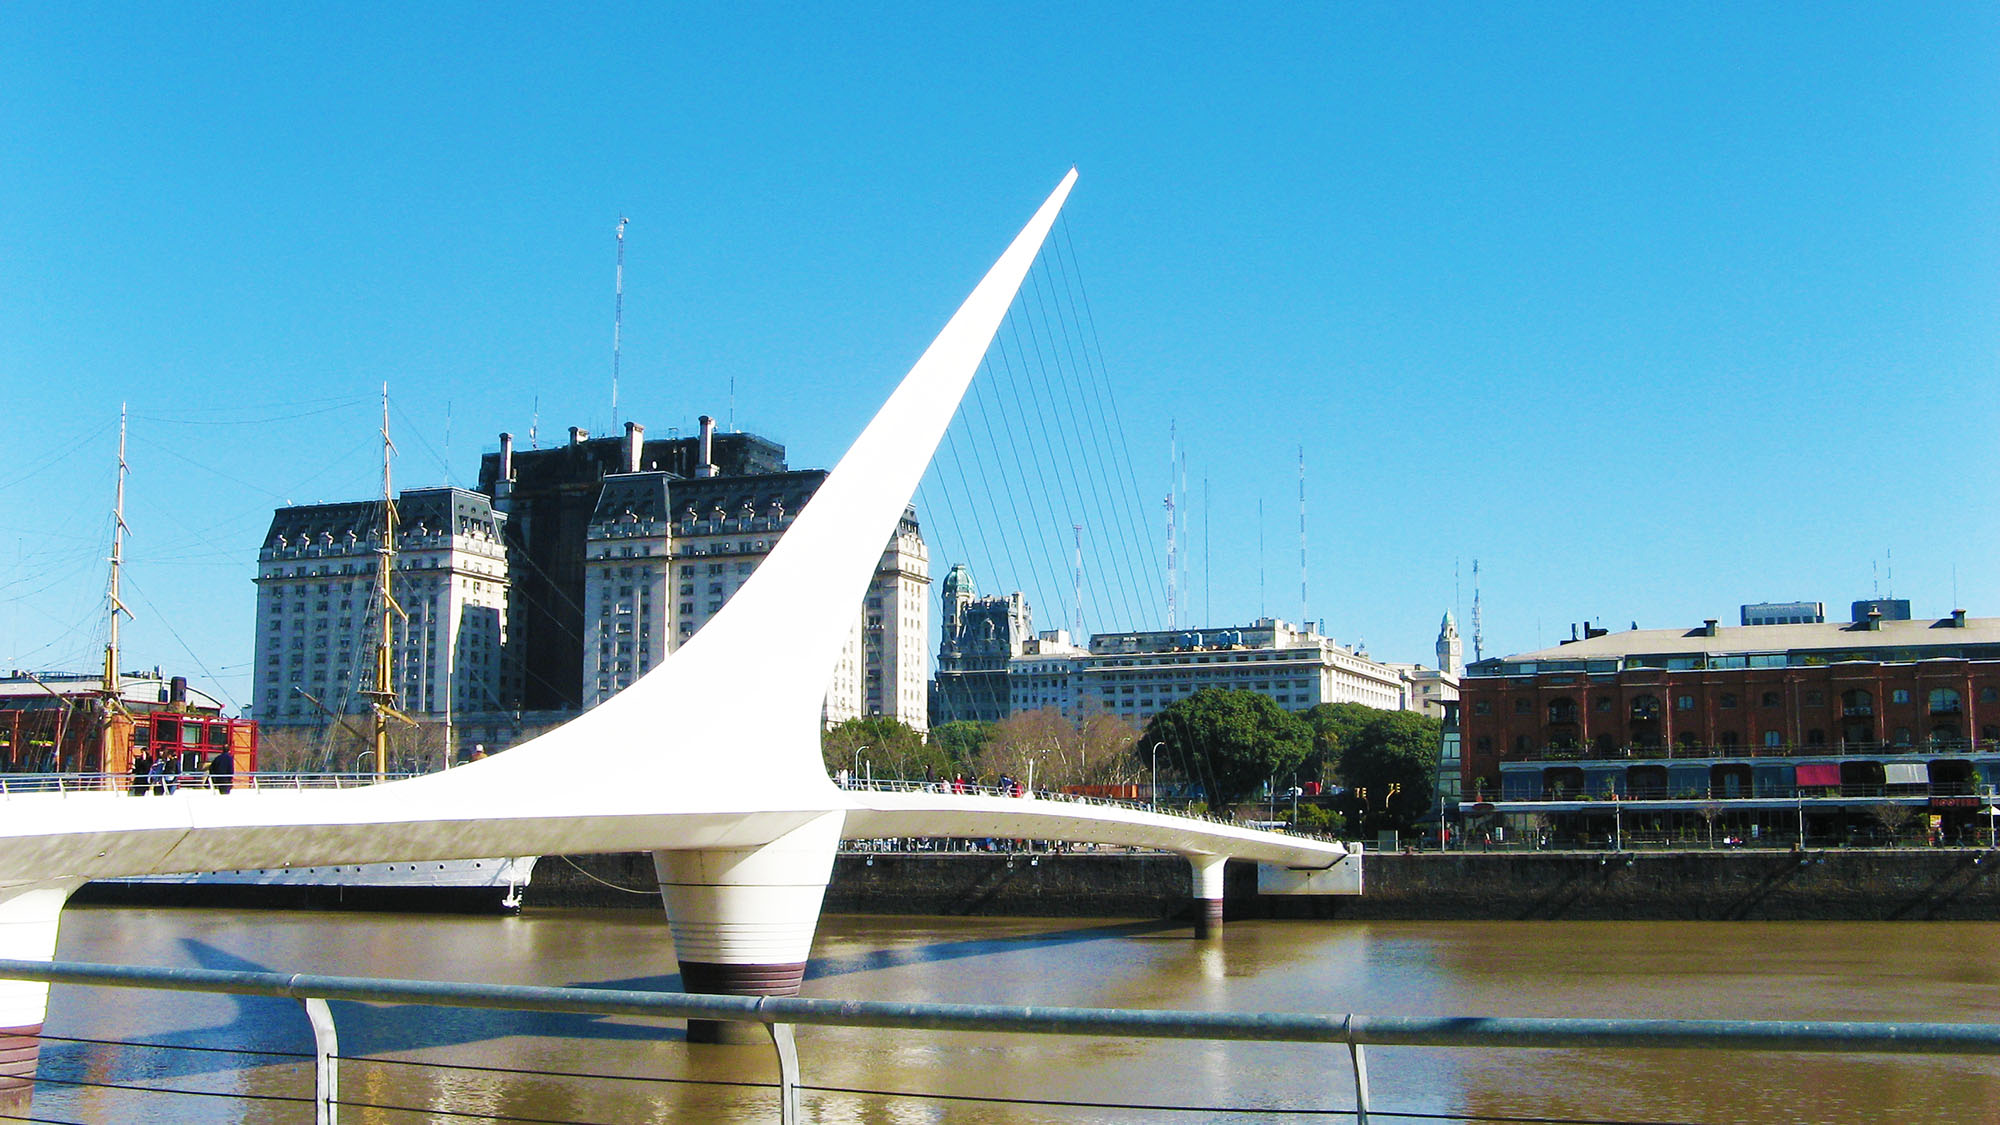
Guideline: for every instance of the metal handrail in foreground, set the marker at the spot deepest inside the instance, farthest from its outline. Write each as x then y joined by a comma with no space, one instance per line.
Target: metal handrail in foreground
778,1014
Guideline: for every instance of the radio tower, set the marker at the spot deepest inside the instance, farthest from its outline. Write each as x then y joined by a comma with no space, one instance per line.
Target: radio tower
618,319
1078,592
1478,634
1305,607
1173,557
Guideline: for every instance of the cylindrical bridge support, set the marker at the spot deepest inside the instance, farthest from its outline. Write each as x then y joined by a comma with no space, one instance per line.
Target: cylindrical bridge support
1208,882
29,914
743,918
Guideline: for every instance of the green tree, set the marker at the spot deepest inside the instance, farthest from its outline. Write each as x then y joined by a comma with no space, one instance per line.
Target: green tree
961,741
1393,758
1230,742
892,749
1334,725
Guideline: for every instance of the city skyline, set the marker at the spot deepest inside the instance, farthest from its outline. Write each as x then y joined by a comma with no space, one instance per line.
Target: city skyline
1653,313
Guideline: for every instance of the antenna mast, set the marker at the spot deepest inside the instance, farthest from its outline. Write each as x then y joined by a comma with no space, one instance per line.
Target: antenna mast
618,319
1478,630
1078,593
1305,607
1173,562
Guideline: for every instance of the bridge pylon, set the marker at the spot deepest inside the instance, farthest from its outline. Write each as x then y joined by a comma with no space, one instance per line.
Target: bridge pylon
743,918
1208,889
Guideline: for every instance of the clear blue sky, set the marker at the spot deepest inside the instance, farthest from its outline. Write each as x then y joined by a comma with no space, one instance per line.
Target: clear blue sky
1653,308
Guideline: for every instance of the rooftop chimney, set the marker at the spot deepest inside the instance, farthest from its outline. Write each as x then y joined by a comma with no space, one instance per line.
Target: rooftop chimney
577,434
1874,620
635,439
1708,627
1958,619
707,466
506,456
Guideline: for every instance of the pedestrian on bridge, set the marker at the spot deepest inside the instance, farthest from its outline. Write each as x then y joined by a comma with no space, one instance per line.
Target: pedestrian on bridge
222,771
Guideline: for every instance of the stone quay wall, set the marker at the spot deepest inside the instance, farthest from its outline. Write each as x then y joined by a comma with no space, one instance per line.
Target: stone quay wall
1849,884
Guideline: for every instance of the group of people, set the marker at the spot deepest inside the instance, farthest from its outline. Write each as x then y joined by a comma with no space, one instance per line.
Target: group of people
160,775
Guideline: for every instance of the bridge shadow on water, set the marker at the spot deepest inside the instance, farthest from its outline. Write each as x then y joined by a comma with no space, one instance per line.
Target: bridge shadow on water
262,1024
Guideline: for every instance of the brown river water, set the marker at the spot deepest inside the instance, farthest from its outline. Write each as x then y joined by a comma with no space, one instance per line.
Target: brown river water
443,1065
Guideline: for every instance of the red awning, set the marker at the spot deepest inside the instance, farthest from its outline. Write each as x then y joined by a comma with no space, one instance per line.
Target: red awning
1825,773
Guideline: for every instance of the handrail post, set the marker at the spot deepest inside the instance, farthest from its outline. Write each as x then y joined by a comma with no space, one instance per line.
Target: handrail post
1359,1056
788,1072
326,1062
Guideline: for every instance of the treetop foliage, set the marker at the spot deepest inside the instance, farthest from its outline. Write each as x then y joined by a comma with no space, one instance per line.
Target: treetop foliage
1229,742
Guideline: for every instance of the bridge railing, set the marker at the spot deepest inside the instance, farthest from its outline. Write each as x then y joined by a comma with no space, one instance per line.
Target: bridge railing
779,1015
966,788
22,784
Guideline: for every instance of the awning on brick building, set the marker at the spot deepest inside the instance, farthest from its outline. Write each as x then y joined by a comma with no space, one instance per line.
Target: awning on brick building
1819,773
1907,773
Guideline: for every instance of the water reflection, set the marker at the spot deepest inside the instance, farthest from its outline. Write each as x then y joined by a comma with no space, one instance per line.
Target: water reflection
519,1064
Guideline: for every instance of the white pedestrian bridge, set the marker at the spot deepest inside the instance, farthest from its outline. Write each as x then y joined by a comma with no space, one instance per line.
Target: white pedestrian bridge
710,762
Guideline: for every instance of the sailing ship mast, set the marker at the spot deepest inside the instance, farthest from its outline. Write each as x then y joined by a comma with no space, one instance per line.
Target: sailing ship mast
382,696
114,695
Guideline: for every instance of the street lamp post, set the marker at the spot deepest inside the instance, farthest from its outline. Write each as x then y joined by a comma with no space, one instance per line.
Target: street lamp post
1156,775
856,775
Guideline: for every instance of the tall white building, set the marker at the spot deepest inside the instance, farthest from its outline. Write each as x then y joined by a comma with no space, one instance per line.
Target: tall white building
663,555
617,563
317,616
1136,675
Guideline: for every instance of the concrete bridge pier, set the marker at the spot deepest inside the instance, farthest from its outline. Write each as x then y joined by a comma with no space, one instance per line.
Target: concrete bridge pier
1207,893
743,918
29,913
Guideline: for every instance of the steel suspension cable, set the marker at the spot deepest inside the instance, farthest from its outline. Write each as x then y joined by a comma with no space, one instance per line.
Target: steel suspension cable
1045,417
1104,385
1129,563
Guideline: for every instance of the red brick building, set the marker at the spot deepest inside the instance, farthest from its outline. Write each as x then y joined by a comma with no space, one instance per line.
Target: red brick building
1760,711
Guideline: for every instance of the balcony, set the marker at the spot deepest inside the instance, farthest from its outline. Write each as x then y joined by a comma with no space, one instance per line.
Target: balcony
1779,792
1630,753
